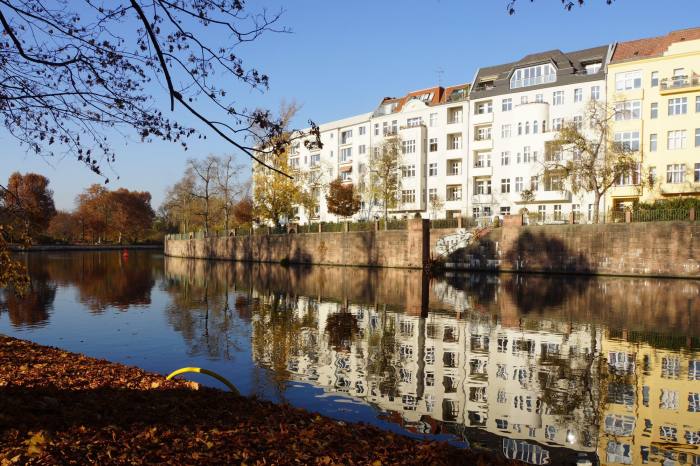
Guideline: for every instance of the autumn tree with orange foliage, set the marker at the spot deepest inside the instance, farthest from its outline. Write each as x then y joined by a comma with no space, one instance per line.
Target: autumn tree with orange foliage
28,203
342,200
65,227
114,215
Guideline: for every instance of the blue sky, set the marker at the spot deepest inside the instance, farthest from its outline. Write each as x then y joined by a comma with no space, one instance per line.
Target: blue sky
343,57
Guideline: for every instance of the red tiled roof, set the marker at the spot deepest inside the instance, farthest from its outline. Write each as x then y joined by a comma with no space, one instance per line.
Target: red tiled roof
652,46
440,95
437,95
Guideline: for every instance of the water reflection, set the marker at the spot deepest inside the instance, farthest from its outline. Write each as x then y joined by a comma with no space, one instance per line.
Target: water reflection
538,368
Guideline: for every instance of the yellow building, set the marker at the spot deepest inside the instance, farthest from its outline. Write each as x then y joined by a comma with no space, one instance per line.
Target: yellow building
654,86
650,400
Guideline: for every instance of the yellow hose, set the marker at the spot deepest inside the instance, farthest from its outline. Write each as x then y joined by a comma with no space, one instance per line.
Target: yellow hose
199,370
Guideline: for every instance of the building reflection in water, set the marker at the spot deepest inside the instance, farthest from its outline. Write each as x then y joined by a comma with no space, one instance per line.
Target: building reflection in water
542,369
546,369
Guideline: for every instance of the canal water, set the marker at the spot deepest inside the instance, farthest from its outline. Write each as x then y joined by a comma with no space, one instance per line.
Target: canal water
545,369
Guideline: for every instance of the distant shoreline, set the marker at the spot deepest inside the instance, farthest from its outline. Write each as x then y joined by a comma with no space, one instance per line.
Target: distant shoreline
84,247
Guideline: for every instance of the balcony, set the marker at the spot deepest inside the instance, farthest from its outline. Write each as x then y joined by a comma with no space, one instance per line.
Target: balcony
482,199
675,189
548,196
679,84
481,118
481,169
482,144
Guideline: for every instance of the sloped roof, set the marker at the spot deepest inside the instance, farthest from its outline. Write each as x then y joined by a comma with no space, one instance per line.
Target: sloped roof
569,67
652,46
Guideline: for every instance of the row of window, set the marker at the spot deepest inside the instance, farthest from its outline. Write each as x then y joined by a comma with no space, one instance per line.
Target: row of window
628,80
675,140
558,98
632,109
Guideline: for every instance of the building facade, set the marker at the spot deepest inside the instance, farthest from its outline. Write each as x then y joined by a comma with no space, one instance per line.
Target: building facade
483,149
654,84
517,109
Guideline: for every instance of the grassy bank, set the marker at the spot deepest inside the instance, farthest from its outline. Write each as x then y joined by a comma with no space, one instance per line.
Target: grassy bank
61,408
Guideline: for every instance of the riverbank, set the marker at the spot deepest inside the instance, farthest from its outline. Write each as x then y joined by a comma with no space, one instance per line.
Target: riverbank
85,247
58,407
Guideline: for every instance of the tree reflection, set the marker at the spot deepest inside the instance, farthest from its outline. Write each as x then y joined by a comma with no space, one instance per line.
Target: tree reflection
34,307
200,309
341,328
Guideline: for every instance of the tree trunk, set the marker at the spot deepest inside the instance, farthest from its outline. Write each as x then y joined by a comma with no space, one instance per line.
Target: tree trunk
596,208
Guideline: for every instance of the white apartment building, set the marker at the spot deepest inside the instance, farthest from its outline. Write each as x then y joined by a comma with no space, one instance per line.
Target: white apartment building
432,126
475,147
517,108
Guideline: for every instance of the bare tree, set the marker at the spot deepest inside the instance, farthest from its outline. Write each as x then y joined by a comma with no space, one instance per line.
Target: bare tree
436,204
71,71
596,161
205,173
228,186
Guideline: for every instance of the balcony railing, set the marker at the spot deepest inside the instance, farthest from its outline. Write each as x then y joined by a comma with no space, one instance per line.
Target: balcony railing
679,82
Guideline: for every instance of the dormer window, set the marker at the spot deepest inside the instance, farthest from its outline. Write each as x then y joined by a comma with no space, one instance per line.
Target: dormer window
457,95
592,68
533,75
427,97
486,84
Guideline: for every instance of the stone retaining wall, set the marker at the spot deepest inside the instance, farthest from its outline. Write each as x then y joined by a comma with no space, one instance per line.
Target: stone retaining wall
392,248
670,249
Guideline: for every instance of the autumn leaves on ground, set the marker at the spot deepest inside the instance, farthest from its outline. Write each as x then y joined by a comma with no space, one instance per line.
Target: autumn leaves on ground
58,407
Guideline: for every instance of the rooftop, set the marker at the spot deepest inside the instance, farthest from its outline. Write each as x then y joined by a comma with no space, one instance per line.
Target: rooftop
652,46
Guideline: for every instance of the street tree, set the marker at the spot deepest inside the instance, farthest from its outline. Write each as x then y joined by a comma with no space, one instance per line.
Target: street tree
94,212
276,195
342,200
384,165
596,161
436,204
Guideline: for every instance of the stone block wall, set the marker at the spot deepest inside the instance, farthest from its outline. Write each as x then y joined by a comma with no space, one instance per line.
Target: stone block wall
393,248
665,249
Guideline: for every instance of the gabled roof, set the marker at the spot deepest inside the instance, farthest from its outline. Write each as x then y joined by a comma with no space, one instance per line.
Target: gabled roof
652,46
